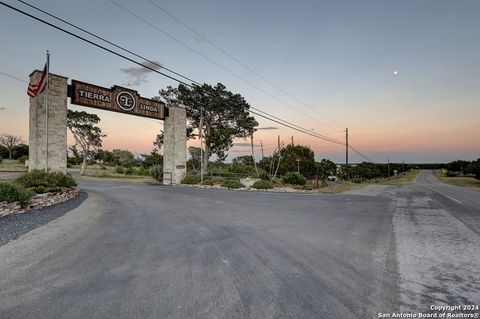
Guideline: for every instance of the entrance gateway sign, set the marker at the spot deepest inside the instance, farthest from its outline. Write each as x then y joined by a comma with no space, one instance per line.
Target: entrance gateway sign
116,99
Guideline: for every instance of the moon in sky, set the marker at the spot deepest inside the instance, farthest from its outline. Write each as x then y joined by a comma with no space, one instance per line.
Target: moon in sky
395,72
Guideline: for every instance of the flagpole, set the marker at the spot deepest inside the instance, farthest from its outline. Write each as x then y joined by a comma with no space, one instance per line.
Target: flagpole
46,111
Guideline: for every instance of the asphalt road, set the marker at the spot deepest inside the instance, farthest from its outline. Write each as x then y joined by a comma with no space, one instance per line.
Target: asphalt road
142,251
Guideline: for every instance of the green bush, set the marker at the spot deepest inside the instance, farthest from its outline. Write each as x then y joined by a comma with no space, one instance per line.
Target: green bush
233,184
1,160
13,192
120,170
156,171
23,159
265,176
207,182
138,171
303,188
190,180
262,184
43,189
38,177
294,178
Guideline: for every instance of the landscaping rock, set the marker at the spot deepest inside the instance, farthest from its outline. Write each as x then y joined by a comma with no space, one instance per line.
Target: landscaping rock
39,201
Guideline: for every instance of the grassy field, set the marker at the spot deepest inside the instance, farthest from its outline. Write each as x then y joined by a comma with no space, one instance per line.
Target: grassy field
110,175
341,187
8,165
401,179
461,181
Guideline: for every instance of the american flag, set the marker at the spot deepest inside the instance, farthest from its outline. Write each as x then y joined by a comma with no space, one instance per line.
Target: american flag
36,89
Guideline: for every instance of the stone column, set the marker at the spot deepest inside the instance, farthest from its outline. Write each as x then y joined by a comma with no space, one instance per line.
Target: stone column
57,125
175,145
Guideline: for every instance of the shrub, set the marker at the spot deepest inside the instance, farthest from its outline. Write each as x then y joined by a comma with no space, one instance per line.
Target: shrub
23,159
156,171
233,184
265,176
207,182
294,178
38,177
43,189
190,180
1,160
138,171
262,184
13,192
120,170
452,174
303,187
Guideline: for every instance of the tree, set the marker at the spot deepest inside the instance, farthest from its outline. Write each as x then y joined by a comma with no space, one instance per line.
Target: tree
10,142
19,151
152,159
195,156
324,169
289,156
158,143
123,158
457,166
474,168
225,115
85,132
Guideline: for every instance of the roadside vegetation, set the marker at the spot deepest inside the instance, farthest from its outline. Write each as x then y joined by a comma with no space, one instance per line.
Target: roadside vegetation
26,186
461,173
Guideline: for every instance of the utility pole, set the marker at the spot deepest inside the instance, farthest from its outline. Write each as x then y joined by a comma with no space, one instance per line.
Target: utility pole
346,153
261,145
298,165
201,143
388,166
292,140
47,93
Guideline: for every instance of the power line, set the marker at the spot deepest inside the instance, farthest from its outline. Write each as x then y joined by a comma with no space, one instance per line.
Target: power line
293,127
267,116
240,62
92,43
13,77
360,154
323,137
211,60
105,40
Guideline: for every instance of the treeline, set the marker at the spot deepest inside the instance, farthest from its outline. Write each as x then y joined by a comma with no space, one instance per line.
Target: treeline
19,152
124,161
465,168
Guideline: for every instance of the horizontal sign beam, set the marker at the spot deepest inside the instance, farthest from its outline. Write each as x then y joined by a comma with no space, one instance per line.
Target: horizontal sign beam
116,99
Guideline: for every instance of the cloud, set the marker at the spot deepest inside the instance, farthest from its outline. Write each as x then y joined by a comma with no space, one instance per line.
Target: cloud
267,128
138,75
246,145
2,108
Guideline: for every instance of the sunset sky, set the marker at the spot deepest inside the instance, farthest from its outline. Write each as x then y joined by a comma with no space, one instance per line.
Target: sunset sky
403,76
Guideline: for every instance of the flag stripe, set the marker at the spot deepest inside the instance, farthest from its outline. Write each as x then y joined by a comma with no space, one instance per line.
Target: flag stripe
36,89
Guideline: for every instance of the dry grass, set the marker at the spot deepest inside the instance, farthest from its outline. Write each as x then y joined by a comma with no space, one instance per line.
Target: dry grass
340,187
9,165
115,177
402,179
461,181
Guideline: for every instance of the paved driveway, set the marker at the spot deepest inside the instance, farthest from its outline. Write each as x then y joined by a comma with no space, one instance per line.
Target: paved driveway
142,251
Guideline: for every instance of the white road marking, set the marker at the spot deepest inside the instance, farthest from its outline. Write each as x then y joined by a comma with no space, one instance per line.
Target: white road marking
447,196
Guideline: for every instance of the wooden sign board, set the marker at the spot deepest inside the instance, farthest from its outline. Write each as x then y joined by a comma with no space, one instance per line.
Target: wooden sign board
116,99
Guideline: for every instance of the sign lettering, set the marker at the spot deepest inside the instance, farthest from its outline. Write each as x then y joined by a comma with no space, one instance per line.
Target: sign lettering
116,99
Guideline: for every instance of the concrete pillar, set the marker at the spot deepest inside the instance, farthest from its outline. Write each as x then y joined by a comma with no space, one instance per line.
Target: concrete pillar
57,125
175,145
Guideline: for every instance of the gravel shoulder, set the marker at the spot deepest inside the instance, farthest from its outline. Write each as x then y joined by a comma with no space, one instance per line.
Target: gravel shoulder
15,225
